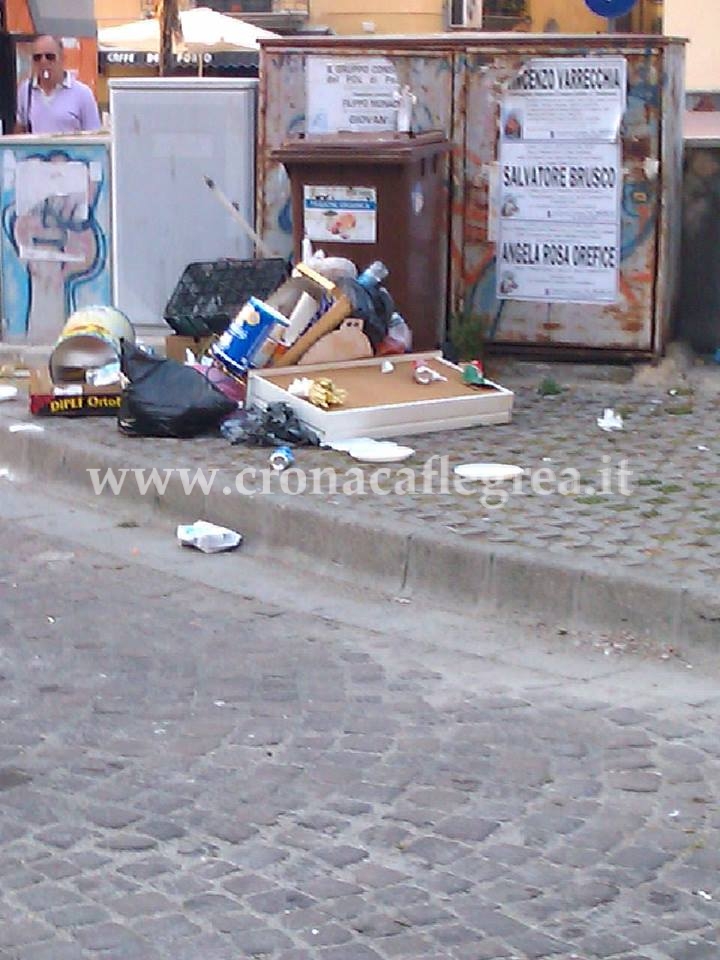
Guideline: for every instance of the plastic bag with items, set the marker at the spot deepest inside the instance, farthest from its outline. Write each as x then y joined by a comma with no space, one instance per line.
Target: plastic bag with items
165,398
277,424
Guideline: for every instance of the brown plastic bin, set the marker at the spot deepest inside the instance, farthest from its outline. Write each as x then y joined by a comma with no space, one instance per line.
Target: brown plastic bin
409,176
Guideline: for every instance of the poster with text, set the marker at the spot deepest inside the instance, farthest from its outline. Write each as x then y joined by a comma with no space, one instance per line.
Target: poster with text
579,98
351,95
558,262
340,214
560,182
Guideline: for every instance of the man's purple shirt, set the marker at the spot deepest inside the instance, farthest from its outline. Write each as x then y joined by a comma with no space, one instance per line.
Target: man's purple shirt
69,109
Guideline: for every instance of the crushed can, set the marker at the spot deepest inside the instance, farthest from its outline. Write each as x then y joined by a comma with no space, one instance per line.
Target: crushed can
281,458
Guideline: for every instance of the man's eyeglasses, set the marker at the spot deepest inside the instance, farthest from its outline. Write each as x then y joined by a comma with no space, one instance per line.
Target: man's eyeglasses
51,57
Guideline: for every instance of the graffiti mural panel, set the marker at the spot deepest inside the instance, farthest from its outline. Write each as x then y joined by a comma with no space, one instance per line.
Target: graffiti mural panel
55,234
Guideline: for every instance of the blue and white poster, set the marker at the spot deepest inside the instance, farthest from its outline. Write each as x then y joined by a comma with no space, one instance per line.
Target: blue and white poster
340,214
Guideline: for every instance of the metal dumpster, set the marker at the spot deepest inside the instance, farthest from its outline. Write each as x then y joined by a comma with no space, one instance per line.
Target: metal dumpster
463,84
394,192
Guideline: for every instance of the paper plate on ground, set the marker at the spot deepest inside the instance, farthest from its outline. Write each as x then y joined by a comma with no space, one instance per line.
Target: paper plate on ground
392,453
488,471
381,453
8,392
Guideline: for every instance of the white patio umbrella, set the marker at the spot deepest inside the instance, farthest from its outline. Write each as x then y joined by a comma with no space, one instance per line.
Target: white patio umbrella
204,30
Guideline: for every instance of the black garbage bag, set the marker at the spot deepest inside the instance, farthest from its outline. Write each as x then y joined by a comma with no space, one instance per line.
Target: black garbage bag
167,399
373,305
277,424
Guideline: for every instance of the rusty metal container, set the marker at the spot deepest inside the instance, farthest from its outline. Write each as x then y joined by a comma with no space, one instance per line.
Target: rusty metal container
406,177
459,81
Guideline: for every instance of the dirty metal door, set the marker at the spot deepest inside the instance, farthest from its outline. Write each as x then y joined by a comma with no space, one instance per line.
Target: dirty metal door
283,112
482,75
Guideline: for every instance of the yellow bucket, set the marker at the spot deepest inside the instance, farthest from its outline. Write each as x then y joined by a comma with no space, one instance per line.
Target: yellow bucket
91,339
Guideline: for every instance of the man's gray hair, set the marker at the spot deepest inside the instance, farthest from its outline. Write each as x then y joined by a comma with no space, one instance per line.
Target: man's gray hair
56,40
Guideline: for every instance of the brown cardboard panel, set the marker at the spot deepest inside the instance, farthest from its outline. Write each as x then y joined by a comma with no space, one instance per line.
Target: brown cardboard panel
176,345
48,400
367,386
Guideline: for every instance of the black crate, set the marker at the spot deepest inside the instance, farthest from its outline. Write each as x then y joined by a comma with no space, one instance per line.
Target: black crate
209,295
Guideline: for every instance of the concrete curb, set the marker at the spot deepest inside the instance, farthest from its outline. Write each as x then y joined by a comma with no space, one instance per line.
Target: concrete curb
399,561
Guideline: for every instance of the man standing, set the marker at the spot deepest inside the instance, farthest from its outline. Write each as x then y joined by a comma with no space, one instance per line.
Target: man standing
52,101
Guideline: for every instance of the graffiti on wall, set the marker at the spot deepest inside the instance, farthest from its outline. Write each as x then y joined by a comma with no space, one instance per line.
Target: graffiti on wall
55,237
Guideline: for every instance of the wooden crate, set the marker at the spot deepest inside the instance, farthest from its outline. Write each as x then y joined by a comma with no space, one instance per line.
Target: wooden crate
385,404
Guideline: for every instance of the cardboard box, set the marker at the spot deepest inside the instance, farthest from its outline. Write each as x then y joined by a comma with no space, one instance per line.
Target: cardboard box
71,400
319,288
176,345
385,404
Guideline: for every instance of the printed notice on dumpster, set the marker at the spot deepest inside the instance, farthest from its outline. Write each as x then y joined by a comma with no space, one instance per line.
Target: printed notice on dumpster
581,98
564,182
340,214
351,95
558,262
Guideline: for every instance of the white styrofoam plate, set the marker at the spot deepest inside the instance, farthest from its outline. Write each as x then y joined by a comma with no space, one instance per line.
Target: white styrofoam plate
345,446
8,392
488,471
378,452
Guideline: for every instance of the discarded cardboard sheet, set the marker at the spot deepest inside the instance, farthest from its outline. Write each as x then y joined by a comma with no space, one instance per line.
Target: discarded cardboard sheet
71,400
381,404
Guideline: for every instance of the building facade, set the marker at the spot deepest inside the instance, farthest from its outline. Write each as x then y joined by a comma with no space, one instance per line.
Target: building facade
698,20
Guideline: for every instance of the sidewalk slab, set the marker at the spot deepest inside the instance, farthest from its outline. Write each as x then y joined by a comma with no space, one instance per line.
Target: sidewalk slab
646,561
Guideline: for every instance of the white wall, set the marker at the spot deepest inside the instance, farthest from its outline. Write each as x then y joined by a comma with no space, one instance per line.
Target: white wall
699,21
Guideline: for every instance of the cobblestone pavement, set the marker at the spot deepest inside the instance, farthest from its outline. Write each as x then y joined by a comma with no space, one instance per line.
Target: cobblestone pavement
667,528
188,772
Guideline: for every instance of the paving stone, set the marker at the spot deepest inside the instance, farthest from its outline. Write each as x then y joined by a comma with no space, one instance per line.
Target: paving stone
76,916
112,817
163,829
45,896
349,952
330,934
636,782
61,837
435,851
467,829
141,904
372,925
253,943
279,901
18,933
247,884
641,858
373,875
326,888
171,928
540,756
52,951
341,856
692,950
603,945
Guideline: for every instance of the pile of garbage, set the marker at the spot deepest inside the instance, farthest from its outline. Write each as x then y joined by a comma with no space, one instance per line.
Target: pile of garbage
321,311
324,312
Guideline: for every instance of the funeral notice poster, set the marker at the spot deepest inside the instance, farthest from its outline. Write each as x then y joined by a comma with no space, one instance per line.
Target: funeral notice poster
351,95
558,262
560,181
558,195
581,98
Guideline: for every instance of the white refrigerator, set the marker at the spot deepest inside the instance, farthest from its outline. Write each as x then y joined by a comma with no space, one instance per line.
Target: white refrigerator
168,135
